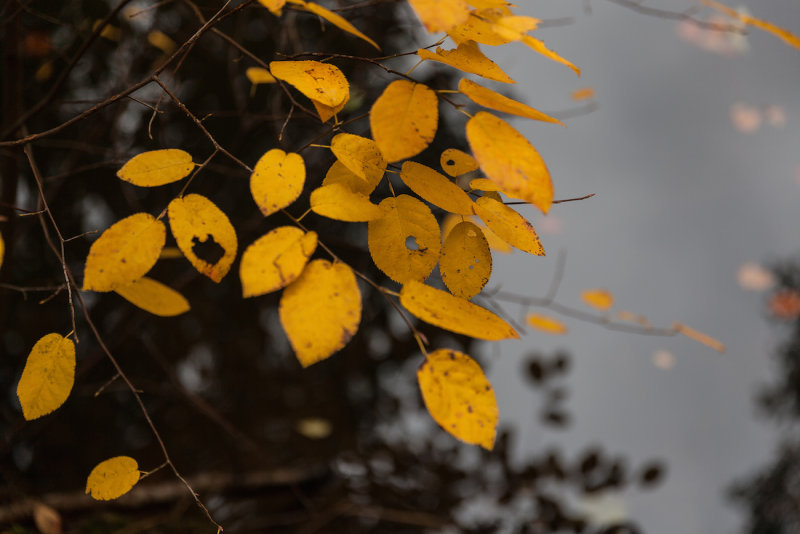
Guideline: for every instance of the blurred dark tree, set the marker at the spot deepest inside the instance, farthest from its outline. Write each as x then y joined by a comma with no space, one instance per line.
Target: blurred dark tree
344,446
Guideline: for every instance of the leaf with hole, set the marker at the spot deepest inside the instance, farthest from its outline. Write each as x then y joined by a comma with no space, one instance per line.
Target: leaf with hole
456,162
204,234
405,242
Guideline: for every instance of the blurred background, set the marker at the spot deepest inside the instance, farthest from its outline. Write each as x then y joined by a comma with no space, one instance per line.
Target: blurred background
687,137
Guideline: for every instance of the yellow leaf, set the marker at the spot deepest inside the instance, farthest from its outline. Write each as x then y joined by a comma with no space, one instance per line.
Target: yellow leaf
154,297
546,324
338,21
510,160
404,119
157,167
275,6
435,188
196,221
319,81
584,93
700,337
490,99
440,15
112,478
468,58
466,262
124,252
277,180
360,155
446,311
405,242
456,162
48,376
459,397
162,41
513,27
338,202
326,112
257,75
478,27
598,298
539,47
275,260
777,31
483,184
495,243
321,310
339,174
509,225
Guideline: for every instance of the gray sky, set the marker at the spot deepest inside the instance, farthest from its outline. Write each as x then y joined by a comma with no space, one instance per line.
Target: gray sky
683,199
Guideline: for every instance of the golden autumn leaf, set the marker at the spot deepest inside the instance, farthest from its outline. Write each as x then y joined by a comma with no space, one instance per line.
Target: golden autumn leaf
360,155
404,119
459,397
598,298
275,260
157,167
509,225
538,46
457,162
337,201
495,243
258,75
435,188
513,27
338,21
321,82
440,15
478,27
339,174
275,6
446,311
544,323
162,41
468,58
124,252
277,180
154,297
466,262
510,160
483,184
321,310
490,99
196,222
112,478
48,376
405,242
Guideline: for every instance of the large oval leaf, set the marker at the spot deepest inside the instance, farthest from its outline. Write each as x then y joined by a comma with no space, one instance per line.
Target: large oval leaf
275,260
112,478
459,397
277,180
319,81
48,376
442,309
154,297
321,310
510,160
466,262
124,252
200,229
404,243
404,119
157,167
